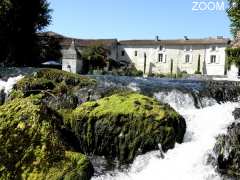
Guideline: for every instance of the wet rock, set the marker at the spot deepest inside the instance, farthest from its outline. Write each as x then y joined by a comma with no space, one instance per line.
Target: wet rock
125,125
60,89
32,146
2,97
227,150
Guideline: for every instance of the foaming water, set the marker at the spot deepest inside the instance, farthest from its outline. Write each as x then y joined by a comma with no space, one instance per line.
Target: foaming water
187,161
8,85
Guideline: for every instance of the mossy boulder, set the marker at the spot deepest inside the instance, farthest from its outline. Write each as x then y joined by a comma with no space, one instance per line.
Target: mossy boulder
60,88
31,145
227,152
124,125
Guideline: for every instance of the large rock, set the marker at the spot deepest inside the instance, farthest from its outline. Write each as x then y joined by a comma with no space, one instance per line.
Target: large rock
31,145
227,150
60,88
124,125
2,96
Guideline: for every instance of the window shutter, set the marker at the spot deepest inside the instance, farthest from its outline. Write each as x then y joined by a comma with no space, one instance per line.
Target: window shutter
209,60
191,59
218,59
184,59
165,59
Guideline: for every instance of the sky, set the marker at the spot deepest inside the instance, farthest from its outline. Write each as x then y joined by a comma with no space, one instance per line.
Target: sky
139,19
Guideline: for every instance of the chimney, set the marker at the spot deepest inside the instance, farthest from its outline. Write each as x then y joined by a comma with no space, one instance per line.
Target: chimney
157,38
219,37
186,38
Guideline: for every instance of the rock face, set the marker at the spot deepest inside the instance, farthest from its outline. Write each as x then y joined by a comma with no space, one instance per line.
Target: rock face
227,150
31,145
221,91
2,96
52,116
60,88
124,125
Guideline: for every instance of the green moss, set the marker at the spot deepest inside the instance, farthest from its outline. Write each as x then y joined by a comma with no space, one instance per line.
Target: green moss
59,76
124,125
31,145
52,80
135,104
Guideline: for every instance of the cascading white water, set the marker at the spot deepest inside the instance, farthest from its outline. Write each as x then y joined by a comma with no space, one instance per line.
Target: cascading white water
187,161
8,85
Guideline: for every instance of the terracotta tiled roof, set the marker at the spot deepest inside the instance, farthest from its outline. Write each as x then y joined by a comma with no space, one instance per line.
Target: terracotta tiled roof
206,41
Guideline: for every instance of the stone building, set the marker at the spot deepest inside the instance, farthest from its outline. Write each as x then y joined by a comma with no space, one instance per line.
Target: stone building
158,56
71,59
165,56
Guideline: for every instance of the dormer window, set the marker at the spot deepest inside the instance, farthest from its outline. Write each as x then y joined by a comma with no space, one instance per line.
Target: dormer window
188,48
214,48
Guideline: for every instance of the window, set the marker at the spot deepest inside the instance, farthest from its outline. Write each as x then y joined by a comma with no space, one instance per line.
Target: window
160,48
214,48
123,53
187,48
160,57
136,53
187,58
213,59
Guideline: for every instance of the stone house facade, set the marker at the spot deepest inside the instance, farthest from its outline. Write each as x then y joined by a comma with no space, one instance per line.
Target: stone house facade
166,56
158,56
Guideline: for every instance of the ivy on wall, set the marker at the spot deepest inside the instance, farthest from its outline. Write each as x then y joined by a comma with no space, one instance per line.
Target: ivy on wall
233,57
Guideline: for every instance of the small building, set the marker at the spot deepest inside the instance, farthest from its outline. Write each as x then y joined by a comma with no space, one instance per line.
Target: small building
71,60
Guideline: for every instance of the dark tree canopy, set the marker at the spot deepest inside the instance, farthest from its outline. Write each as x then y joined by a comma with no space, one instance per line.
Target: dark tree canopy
234,15
19,22
95,56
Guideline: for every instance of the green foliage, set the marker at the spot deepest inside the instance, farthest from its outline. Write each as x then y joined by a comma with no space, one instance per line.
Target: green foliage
234,15
70,79
31,145
50,48
124,125
95,56
233,57
19,22
127,71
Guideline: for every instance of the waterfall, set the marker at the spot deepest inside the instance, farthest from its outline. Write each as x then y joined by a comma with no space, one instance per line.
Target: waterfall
189,160
205,120
8,85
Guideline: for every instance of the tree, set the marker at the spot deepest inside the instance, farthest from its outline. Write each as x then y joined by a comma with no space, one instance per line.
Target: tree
95,56
234,15
19,22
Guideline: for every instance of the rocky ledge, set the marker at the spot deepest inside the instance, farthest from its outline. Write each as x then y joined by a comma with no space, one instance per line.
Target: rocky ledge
50,124
227,150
